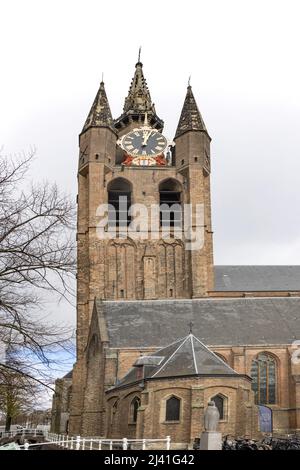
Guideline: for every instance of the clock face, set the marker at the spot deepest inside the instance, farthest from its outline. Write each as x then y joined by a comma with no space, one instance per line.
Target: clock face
144,142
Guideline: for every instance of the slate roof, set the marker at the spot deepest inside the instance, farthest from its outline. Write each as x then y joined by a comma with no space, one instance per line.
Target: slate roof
100,113
186,356
216,322
190,118
257,278
69,375
189,356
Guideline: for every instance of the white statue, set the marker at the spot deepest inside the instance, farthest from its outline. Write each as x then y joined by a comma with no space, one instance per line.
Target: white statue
211,417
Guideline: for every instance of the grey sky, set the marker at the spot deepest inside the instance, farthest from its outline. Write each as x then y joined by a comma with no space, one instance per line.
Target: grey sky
244,60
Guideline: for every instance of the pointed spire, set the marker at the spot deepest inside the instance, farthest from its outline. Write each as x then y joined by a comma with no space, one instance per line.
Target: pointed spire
100,114
190,118
138,102
138,99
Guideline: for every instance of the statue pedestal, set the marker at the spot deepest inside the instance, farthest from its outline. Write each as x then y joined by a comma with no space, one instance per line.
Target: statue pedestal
211,440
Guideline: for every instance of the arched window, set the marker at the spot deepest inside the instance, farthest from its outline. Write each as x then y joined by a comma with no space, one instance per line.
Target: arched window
173,409
263,373
119,196
220,404
170,203
135,404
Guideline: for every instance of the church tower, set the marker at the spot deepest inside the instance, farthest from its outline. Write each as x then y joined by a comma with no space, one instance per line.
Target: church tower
128,162
114,163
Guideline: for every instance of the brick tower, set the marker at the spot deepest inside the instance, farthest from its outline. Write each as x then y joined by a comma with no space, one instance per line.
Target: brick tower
148,267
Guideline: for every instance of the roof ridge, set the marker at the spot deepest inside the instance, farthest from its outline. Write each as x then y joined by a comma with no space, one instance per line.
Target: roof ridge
194,357
213,354
172,355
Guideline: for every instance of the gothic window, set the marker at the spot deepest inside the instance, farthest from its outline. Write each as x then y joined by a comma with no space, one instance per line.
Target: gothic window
170,204
263,373
119,196
220,404
173,409
135,404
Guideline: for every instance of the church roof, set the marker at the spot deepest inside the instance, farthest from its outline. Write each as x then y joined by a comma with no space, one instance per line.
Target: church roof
69,375
257,278
190,118
216,321
189,356
184,357
100,113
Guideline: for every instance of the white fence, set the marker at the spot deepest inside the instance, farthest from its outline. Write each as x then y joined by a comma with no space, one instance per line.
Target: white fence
97,443
23,433
86,443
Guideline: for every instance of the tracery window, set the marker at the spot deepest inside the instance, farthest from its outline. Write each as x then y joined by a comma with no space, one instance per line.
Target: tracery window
264,377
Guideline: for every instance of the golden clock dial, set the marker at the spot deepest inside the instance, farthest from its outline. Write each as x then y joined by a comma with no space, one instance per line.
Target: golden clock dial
144,142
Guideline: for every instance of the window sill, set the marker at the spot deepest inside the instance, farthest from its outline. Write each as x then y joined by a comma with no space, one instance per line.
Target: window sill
171,422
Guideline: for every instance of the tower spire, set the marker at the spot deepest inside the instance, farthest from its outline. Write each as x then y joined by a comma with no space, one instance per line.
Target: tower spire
100,113
138,99
190,118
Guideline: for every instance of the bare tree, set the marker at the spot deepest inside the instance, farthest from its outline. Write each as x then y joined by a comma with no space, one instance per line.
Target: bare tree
18,395
37,253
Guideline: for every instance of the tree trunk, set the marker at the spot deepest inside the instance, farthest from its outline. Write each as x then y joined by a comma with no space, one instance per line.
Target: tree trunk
8,423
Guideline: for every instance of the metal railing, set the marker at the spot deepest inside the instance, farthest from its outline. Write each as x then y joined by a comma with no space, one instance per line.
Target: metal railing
23,432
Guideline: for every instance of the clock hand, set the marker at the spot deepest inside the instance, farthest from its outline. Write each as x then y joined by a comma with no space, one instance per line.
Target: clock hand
146,137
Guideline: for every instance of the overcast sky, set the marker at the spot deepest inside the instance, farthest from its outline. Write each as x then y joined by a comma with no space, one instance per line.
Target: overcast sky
243,57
